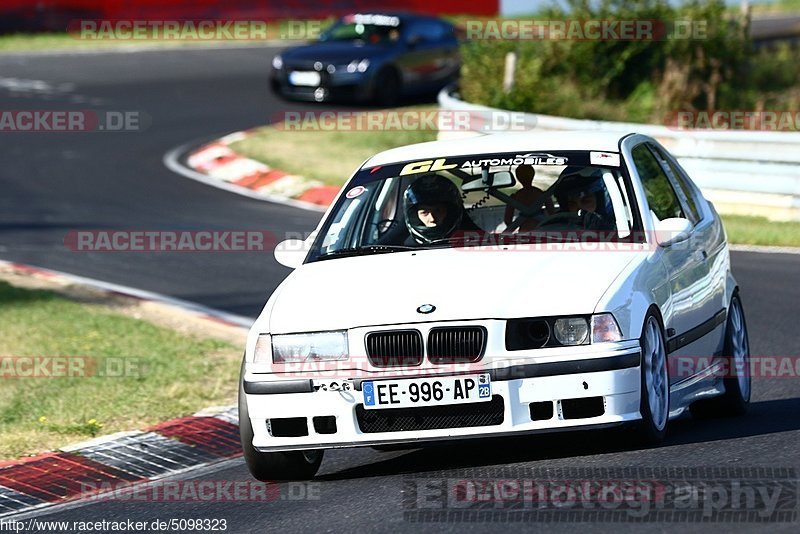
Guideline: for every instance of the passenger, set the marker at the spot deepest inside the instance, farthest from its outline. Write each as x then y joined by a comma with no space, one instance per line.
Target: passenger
527,195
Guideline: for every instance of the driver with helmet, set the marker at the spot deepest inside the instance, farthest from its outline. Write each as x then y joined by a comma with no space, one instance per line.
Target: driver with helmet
434,210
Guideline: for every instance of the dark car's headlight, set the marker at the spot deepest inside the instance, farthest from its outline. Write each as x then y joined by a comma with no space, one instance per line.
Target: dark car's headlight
357,66
277,62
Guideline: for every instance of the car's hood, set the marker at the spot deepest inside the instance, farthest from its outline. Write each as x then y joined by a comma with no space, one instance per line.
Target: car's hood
461,283
336,52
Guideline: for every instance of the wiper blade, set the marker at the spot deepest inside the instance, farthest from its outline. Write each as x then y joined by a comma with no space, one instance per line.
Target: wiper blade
365,251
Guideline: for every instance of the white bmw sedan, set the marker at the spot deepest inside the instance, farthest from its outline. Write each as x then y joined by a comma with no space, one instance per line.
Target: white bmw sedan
493,286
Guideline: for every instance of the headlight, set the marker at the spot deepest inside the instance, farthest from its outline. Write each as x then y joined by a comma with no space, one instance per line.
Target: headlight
605,328
571,331
356,65
311,346
277,63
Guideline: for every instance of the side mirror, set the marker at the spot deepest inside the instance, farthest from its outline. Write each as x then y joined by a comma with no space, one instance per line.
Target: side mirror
672,230
291,252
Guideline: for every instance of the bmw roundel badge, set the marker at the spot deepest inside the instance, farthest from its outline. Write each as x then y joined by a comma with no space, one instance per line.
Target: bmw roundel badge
426,308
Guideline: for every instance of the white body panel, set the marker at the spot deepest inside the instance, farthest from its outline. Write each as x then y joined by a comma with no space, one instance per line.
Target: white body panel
363,294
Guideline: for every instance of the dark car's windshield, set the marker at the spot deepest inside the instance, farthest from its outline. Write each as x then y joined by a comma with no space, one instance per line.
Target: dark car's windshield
445,202
373,29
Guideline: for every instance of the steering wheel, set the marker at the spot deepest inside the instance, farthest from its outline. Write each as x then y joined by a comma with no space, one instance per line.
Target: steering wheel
588,220
567,217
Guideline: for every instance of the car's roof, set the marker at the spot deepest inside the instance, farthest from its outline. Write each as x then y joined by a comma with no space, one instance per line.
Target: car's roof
505,142
404,16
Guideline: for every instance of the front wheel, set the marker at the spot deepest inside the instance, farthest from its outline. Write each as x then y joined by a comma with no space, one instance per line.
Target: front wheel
270,466
654,403
387,88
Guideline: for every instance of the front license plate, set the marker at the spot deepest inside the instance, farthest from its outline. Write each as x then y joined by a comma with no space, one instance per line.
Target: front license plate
434,391
308,79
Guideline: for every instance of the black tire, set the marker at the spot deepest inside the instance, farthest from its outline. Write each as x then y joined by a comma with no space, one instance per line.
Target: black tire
270,466
736,399
652,431
387,88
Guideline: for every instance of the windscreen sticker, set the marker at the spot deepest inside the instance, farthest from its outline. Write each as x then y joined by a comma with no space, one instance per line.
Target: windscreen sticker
604,158
429,165
356,191
519,159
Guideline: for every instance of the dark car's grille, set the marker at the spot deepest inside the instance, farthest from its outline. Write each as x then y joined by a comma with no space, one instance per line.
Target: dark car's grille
458,344
431,417
299,64
394,348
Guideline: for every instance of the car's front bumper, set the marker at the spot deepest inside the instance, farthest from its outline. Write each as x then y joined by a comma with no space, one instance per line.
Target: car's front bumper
331,88
601,388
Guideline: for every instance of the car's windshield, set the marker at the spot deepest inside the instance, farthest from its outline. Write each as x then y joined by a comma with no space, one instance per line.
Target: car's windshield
373,29
478,200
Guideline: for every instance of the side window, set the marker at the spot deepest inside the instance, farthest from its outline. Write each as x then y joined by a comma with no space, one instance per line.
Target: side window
448,32
430,31
660,195
383,216
688,192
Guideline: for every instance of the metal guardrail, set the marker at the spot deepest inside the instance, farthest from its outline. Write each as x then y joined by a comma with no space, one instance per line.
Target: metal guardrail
761,169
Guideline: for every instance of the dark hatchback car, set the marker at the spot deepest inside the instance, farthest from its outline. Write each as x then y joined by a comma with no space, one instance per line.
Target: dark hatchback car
370,58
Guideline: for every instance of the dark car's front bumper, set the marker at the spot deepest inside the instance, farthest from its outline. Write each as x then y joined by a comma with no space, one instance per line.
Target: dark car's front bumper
349,87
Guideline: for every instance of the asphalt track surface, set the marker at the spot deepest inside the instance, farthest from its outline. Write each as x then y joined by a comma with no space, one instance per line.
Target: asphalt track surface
52,183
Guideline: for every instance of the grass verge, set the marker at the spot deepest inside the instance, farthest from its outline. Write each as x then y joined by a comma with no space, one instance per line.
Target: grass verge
748,230
336,153
127,373
40,42
33,42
